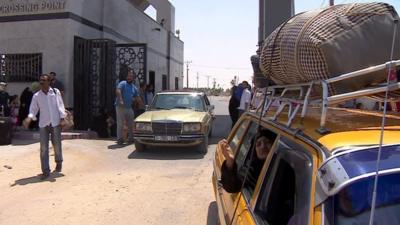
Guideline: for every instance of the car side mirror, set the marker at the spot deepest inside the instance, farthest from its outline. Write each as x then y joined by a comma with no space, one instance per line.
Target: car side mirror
211,107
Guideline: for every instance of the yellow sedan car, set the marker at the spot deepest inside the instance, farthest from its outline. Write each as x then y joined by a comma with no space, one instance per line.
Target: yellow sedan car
175,119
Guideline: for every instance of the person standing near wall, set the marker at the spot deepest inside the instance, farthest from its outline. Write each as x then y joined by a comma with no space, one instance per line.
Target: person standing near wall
25,102
4,100
149,94
126,93
56,83
52,113
139,106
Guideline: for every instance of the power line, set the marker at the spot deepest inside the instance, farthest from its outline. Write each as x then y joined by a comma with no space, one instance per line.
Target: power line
197,86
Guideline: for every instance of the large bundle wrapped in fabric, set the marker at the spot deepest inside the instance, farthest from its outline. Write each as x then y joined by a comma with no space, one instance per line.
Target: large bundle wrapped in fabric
325,43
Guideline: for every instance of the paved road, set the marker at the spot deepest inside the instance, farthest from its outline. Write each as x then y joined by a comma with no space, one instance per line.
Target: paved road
101,184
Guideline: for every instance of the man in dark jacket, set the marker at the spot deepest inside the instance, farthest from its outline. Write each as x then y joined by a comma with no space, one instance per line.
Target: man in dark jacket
234,103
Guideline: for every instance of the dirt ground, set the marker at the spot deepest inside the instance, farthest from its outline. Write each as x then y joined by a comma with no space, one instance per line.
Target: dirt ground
103,184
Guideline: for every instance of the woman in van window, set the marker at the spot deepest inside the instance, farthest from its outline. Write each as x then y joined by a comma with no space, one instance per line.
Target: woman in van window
230,180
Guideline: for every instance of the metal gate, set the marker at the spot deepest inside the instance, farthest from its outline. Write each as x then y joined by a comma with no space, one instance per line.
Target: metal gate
131,56
98,65
94,80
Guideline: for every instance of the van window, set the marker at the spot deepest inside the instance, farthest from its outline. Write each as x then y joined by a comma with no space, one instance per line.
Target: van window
245,147
238,135
285,196
243,155
248,164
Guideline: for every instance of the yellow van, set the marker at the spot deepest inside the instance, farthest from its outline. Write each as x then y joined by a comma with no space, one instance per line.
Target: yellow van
291,184
321,168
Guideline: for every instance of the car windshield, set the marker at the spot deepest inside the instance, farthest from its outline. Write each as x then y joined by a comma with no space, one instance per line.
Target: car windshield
178,101
352,205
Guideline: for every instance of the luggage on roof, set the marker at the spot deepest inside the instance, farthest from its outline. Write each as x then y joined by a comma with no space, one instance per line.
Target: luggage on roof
325,43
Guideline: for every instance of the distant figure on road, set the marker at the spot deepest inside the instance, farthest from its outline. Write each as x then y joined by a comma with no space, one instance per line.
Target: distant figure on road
52,113
234,103
56,83
126,93
245,98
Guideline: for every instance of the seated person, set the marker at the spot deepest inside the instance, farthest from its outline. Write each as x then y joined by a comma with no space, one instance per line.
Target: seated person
231,182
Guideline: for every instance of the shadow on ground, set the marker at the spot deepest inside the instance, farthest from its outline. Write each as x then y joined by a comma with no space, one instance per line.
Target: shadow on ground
19,142
36,179
167,153
117,146
212,215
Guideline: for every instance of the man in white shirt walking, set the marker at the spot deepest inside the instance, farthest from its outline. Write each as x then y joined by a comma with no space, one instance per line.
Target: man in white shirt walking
52,113
245,99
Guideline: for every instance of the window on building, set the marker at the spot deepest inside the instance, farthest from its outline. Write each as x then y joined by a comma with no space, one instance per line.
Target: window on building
152,78
164,82
20,67
151,11
176,83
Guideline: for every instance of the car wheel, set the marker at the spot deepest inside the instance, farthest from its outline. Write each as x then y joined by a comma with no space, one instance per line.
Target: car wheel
203,147
210,132
140,147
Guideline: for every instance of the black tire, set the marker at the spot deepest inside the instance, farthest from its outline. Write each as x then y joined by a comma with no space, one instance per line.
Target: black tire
203,147
210,132
140,147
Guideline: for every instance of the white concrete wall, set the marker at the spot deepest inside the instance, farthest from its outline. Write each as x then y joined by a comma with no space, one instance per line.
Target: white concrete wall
17,88
176,69
166,11
47,37
55,38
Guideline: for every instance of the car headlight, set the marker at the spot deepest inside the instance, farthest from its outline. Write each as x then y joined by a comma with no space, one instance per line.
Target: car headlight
191,127
143,127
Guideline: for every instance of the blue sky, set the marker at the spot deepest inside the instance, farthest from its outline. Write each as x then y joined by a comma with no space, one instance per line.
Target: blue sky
221,35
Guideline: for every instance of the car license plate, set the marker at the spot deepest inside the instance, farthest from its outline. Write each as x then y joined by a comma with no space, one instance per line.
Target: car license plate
166,138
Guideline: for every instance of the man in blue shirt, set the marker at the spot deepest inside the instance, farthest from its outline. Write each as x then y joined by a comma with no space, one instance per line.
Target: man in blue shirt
126,93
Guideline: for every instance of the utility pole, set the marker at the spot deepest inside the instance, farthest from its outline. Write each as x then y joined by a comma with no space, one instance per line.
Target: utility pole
197,80
187,73
214,83
331,2
208,82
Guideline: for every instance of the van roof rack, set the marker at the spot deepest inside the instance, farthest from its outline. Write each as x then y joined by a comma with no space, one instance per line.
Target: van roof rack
298,96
